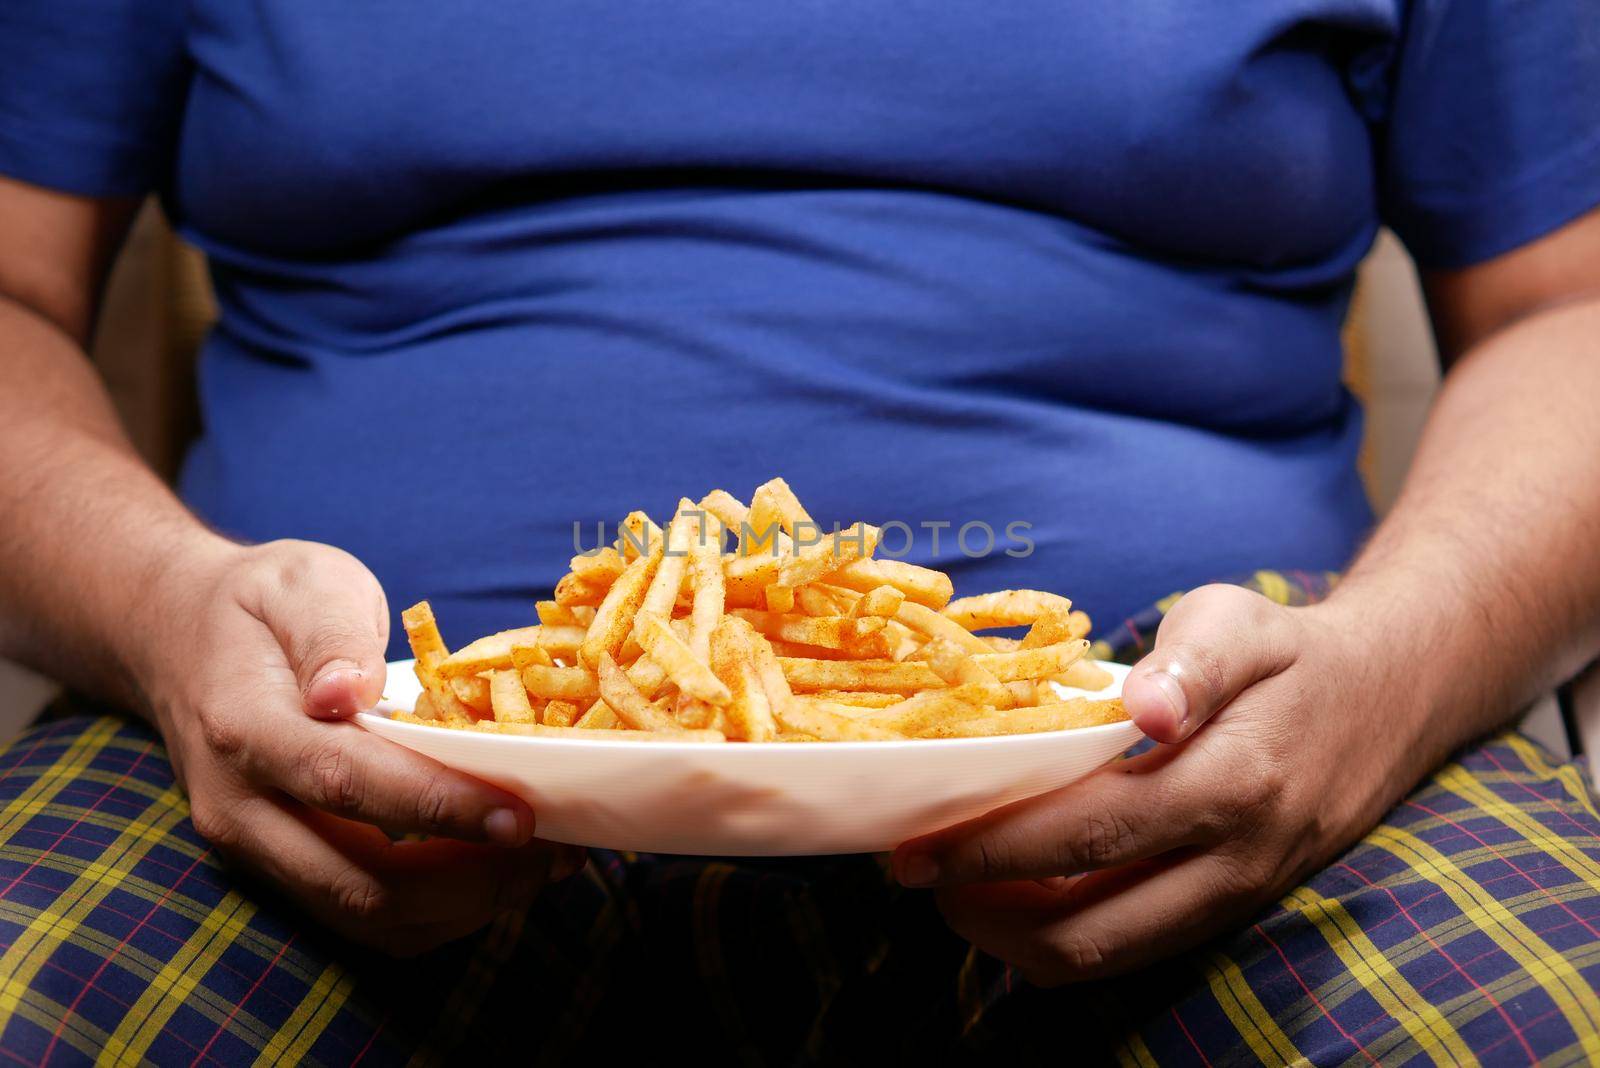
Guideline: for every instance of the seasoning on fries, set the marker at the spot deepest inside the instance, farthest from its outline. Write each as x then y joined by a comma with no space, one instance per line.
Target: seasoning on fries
752,624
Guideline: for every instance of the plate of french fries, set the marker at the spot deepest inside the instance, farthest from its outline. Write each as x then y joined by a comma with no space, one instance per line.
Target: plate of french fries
742,682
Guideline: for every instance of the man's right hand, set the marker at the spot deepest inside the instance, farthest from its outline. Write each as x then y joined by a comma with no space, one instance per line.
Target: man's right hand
263,654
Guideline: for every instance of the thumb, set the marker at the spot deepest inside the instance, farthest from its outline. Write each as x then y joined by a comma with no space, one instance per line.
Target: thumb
1215,643
331,620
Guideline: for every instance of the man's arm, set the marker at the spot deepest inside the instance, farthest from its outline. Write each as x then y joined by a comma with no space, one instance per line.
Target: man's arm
1488,567
88,527
1481,589
246,658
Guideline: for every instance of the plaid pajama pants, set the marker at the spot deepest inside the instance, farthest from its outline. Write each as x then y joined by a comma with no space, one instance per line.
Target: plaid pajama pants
1465,928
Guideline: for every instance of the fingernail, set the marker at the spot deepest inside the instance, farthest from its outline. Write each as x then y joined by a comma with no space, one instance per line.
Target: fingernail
1166,681
505,827
917,869
318,690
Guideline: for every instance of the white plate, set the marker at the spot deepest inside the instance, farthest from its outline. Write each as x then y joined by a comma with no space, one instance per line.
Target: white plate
756,800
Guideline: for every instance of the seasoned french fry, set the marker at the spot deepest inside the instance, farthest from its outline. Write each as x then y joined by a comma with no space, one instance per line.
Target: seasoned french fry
919,584
881,675
508,700
599,716
691,676
825,557
562,641
857,698
422,631
749,713
1058,716
928,711
957,668
559,713
523,655
573,591
682,533
1033,663
627,702
601,567
638,536
709,592
491,653
795,635
798,716
552,614
729,510
472,691
827,632
885,601
926,621
816,599
614,618
540,730
1004,608
560,683
1085,675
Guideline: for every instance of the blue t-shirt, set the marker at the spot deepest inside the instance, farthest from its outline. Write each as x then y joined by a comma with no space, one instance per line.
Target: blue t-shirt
489,270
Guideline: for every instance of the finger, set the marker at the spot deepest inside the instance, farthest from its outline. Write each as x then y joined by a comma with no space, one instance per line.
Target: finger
400,897
344,770
1215,642
1123,813
1105,924
329,615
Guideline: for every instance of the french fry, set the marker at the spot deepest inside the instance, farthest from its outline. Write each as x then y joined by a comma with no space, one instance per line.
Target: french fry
797,716
826,632
614,618
584,734
601,567
691,676
749,713
552,614
885,602
882,675
574,590
731,512
562,641
682,533
921,585
709,593
627,702
472,691
424,708
559,713
1085,675
916,716
957,668
816,599
427,645
491,653
599,716
1004,608
926,621
638,536
560,683
508,700
822,558
857,698
1037,663
792,636
1057,716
